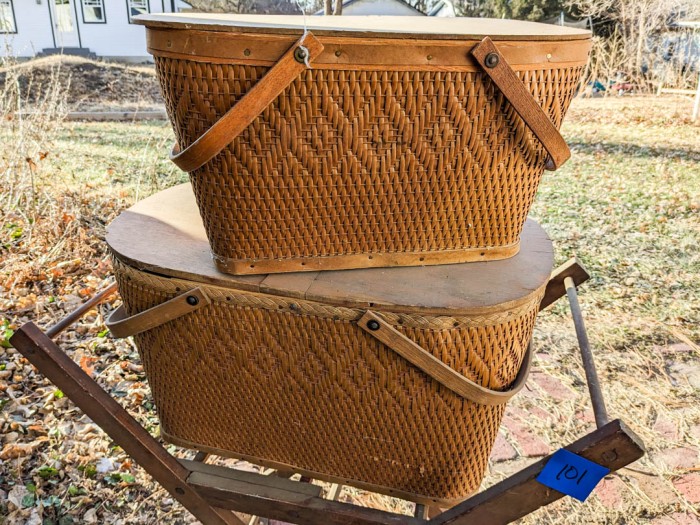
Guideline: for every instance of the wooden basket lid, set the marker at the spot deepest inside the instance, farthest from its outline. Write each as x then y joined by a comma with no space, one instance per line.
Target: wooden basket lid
163,234
414,27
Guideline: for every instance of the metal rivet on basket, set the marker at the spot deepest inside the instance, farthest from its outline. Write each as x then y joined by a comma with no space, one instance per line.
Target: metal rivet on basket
192,300
430,57
492,60
373,325
300,54
338,53
246,52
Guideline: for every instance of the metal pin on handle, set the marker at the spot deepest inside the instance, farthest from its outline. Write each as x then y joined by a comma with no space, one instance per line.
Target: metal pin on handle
599,410
301,55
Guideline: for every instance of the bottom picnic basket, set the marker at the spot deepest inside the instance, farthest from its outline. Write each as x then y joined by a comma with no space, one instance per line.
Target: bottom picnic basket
394,380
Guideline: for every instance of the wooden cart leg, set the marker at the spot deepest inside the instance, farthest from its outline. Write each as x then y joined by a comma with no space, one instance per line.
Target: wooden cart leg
334,492
109,415
613,446
556,288
200,457
421,511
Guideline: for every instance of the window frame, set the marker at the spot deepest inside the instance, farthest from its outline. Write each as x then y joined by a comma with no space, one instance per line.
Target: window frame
128,8
11,3
104,12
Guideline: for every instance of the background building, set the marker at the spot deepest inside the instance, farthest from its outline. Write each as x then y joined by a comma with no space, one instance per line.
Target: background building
83,27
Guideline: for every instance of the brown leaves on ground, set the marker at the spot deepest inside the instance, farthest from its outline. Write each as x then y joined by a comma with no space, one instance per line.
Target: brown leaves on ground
18,450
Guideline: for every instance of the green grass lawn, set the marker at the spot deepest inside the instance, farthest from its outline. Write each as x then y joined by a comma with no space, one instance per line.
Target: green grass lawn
627,205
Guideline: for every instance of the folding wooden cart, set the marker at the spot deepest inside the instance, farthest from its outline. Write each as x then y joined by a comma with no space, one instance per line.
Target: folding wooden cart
211,492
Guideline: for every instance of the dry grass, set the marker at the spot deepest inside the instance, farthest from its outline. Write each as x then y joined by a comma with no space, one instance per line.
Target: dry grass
87,84
626,204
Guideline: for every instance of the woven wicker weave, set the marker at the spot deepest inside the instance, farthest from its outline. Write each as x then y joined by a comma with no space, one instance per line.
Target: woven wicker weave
281,381
361,165
349,162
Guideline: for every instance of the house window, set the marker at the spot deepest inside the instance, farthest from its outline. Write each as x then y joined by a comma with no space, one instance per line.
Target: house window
7,17
94,12
64,18
136,7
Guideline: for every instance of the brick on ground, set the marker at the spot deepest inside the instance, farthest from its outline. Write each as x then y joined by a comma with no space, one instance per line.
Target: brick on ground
543,357
610,491
677,518
689,486
502,450
656,488
694,431
676,348
666,428
552,386
524,439
586,416
677,458
542,414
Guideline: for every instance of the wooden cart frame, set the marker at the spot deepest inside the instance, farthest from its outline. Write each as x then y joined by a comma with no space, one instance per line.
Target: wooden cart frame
211,492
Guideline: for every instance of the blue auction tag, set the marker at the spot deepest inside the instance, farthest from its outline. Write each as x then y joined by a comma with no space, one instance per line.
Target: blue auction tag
571,474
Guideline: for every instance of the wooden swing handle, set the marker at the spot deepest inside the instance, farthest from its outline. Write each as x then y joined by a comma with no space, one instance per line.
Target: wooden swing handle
377,327
123,326
239,117
500,72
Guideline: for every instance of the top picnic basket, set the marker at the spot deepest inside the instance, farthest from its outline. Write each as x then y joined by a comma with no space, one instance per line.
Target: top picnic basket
363,141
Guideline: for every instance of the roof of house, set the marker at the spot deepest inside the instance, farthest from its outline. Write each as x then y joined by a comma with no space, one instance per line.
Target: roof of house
440,4
564,20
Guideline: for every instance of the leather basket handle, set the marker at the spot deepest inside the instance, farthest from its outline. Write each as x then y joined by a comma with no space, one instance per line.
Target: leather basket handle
500,72
377,327
239,117
122,326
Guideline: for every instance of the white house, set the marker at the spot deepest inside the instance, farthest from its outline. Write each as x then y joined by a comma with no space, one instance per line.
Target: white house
85,27
442,8
103,27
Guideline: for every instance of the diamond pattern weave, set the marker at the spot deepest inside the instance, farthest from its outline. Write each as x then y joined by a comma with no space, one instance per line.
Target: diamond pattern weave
361,162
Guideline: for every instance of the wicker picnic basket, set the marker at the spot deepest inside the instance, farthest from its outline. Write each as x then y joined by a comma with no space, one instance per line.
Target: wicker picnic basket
394,380
364,141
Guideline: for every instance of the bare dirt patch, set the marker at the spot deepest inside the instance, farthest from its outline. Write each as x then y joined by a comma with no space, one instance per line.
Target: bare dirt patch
90,85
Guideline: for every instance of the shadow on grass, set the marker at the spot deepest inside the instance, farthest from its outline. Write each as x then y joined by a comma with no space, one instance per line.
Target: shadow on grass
633,150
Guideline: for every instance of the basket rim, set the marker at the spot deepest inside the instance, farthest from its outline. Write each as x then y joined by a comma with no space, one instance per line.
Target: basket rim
439,28
353,309
343,53
171,218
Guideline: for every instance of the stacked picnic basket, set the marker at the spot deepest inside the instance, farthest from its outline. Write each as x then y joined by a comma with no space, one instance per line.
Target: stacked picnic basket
349,286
